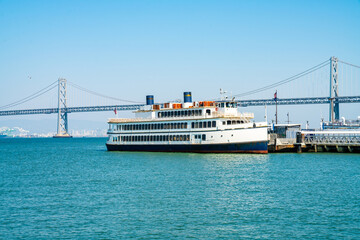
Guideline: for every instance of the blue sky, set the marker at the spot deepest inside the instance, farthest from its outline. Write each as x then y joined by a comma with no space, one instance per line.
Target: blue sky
128,49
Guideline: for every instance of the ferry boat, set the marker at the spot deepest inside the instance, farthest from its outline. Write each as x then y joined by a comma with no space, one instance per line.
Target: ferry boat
200,127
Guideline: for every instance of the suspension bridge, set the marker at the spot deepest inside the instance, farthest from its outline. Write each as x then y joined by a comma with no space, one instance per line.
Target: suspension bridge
324,80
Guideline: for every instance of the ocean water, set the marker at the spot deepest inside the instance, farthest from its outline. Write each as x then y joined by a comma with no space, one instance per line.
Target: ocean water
75,189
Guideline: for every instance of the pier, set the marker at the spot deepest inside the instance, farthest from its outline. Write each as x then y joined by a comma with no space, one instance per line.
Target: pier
342,141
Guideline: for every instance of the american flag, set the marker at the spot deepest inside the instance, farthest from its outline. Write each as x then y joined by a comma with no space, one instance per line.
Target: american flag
275,96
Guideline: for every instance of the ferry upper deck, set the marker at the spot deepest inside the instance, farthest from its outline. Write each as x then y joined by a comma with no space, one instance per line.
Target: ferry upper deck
186,111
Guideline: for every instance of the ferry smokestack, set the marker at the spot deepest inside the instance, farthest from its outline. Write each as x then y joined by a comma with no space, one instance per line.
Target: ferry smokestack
149,99
187,97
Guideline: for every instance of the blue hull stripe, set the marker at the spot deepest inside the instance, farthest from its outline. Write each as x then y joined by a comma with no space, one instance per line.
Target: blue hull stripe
257,147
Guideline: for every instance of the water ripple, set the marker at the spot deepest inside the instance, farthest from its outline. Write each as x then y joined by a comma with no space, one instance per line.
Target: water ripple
74,189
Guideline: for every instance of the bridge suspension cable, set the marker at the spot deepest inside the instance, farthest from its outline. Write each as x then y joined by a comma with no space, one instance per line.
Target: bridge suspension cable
100,95
287,80
353,65
32,96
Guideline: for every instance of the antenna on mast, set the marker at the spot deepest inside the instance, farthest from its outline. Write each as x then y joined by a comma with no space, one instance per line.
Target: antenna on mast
222,93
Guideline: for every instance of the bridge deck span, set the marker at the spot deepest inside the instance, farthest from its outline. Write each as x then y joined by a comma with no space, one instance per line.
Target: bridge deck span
297,101
241,103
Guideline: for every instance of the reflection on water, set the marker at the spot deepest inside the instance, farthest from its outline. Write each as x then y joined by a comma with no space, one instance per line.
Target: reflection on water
238,158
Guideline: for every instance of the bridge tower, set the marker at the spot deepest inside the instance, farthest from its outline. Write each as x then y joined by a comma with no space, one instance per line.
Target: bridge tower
62,127
334,90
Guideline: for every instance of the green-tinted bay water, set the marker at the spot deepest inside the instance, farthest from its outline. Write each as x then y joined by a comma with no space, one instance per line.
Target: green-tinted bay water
75,189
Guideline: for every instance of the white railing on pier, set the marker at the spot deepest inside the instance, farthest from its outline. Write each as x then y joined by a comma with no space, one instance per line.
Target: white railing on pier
332,137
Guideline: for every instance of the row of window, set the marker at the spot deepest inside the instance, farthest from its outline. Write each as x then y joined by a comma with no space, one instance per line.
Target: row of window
130,127
207,124
180,113
232,122
178,125
153,138
161,126
200,136
228,104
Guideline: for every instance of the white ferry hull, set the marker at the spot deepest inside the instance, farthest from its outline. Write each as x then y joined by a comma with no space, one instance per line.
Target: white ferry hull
241,140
